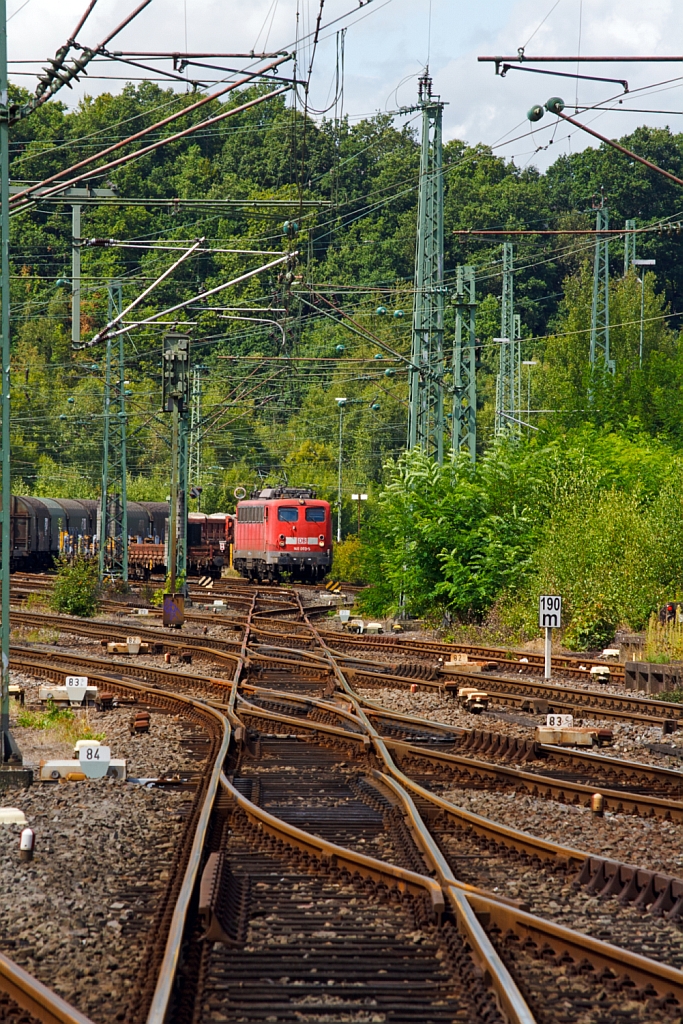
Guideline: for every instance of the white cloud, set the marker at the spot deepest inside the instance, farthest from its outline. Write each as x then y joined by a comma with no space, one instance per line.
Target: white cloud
388,43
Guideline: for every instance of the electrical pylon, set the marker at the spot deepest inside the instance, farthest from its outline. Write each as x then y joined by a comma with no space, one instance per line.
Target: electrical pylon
426,414
629,245
508,384
599,352
464,436
113,510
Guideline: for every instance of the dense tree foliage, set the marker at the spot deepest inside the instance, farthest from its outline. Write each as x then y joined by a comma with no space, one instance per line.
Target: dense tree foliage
273,356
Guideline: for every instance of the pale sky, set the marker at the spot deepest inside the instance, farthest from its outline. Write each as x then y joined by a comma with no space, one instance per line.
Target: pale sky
388,42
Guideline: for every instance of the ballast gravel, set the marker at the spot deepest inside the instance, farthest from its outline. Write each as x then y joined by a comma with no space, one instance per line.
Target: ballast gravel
79,916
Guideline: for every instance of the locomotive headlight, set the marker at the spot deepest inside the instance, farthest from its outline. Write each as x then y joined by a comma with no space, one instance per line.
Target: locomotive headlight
321,540
281,540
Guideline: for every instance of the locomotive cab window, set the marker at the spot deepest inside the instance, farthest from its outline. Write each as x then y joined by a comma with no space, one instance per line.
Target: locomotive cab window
287,514
315,515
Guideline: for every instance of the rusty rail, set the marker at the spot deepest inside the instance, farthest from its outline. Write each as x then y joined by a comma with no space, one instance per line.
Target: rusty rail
34,997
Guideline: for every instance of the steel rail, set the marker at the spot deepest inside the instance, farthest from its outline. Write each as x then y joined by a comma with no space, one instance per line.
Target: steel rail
618,801
582,703
195,645
506,992
67,624
504,656
603,873
476,907
372,709
485,905
34,997
644,773
379,870
165,980
664,978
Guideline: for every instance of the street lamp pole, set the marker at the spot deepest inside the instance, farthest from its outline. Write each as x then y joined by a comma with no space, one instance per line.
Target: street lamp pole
359,498
642,263
529,363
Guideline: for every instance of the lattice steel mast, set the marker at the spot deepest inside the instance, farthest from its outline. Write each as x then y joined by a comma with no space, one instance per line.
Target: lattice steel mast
113,511
464,436
195,447
508,384
426,414
599,351
9,751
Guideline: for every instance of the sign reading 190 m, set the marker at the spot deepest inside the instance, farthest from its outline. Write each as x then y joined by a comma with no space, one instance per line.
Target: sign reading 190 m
549,611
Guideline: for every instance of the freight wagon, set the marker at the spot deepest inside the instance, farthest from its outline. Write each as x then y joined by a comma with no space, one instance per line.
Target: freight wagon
42,529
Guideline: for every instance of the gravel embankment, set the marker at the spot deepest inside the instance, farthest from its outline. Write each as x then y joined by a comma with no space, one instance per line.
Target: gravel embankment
79,916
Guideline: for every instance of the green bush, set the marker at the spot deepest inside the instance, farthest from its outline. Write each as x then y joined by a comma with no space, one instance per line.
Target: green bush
590,628
76,589
347,562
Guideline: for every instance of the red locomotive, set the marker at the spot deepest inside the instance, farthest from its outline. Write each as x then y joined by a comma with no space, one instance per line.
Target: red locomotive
283,529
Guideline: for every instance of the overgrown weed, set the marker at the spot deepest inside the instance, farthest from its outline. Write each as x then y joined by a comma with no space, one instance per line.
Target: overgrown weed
66,725
663,641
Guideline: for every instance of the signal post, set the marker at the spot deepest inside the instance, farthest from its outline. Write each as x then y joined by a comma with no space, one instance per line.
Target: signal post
176,401
549,618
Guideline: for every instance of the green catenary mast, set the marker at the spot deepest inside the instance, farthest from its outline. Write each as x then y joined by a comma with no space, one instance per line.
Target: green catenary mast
426,413
599,351
113,512
464,365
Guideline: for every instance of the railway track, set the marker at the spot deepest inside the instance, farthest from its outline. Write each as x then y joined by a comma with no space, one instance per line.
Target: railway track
582,702
283,602
552,764
330,875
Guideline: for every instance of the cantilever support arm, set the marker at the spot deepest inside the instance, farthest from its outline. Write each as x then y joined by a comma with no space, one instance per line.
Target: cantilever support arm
619,147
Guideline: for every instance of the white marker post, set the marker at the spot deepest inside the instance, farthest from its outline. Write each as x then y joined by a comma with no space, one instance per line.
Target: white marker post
549,618
76,688
94,760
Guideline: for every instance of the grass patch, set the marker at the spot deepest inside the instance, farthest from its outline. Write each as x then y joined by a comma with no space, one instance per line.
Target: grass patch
66,725
671,696
42,636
